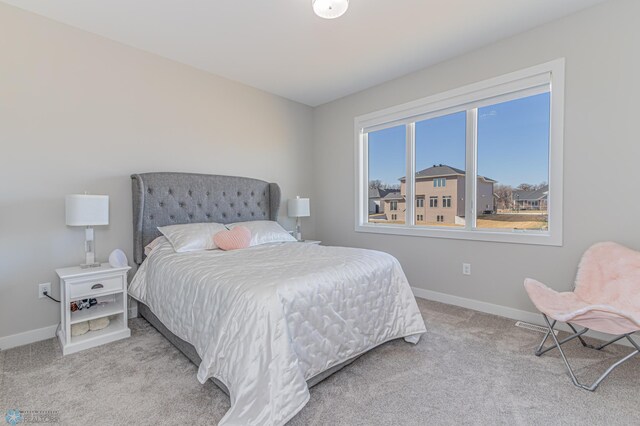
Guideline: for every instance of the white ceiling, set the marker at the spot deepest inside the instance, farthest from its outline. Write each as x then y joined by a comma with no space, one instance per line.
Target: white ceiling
280,46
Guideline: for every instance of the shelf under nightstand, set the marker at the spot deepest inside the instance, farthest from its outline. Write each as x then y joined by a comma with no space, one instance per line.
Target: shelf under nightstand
97,311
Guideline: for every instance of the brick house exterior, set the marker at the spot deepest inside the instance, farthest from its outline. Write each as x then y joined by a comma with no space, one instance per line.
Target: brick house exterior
440,193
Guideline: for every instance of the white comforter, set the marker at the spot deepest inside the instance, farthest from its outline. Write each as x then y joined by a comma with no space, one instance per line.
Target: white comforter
267,318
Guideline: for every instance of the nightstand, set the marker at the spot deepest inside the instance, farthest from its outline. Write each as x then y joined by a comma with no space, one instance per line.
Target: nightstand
311,241
103,283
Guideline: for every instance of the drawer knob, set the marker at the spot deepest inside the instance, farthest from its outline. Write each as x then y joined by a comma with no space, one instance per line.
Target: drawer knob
96,286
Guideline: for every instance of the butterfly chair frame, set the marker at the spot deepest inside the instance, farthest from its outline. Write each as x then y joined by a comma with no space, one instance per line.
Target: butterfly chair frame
578,335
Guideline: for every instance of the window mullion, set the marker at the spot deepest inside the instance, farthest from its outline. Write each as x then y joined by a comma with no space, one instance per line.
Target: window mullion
471,179
411,175
363,202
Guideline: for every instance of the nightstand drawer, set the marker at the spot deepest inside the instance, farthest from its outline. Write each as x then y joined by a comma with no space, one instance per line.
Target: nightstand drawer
94,287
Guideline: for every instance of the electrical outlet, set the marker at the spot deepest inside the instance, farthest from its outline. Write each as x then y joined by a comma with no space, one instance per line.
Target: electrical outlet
466,268
42,288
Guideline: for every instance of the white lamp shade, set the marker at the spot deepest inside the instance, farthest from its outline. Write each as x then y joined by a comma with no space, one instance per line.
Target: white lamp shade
298,207
330,9
87,210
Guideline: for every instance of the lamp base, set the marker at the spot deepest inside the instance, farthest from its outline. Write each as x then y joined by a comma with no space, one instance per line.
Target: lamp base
298,234
90,257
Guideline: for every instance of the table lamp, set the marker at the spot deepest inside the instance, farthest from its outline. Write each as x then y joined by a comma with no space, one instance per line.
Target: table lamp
88,211
298,207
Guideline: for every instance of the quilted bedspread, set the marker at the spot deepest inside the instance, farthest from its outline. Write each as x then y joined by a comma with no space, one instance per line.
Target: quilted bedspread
267,318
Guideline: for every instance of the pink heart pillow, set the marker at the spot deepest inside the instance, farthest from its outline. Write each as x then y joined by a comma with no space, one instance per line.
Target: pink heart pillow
237,238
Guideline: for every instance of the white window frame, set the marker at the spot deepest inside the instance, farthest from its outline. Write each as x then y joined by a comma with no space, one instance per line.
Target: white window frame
527,82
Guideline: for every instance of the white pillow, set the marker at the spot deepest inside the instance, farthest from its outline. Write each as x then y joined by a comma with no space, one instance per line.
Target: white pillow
153,244
264,231
192,236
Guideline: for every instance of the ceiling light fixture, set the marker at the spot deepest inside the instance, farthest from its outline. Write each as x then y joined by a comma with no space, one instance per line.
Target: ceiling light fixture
330,9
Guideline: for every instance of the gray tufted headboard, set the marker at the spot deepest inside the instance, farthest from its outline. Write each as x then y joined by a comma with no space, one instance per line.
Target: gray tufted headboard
168,198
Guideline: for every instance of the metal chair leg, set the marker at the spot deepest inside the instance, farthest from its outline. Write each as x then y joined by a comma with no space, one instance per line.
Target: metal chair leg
564,358
633,342
609,342
609,370
558,344
585,344
577,335
546,336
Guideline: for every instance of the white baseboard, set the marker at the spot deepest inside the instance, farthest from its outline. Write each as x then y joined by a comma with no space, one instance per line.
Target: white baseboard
27,337
503,311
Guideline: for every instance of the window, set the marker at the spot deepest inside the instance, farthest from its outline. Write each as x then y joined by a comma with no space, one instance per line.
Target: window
505,130
386,157
492,151
440,161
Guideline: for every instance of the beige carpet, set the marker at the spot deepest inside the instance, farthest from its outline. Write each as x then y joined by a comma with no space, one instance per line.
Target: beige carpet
471,368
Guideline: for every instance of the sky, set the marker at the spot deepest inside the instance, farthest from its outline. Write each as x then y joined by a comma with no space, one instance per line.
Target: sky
513,143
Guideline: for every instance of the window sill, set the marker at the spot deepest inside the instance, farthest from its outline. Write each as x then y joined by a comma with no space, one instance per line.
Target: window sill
507,236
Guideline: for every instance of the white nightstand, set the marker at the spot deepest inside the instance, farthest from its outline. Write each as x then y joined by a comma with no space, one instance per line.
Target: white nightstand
77,284
311,241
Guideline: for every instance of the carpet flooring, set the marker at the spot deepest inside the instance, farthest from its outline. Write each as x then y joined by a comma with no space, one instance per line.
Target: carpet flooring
469,369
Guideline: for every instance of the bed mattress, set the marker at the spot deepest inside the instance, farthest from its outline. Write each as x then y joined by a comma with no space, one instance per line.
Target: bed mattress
266,319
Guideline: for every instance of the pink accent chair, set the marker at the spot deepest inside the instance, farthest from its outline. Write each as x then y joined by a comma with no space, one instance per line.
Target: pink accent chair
606,298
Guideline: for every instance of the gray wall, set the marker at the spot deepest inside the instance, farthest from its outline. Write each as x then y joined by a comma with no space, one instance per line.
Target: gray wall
79,112
600,165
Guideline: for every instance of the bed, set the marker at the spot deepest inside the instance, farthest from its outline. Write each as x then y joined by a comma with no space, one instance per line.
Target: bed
267,322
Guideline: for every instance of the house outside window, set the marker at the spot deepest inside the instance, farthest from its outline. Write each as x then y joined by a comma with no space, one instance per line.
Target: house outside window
467,146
